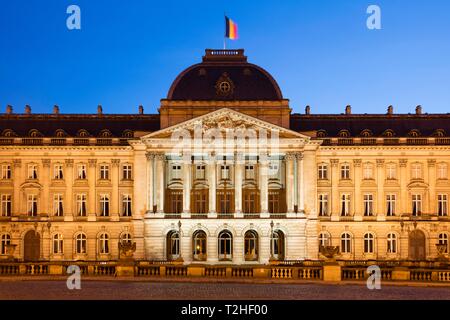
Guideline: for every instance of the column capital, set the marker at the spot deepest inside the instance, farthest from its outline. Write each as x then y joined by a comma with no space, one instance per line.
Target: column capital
290,156
150,155
357,162
69,163
334,162
403,162
92,162
431,162
159,156
46,162
299,155
17,163
380,163
115,162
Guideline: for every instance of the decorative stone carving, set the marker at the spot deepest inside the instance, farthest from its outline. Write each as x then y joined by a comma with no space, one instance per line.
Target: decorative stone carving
431,162
150,155
290,156
160,156
403,162
357,162
69,163
127,250
329,252
92,162
17,163
224,86
115,162
334,162
299,155
46,162
380,163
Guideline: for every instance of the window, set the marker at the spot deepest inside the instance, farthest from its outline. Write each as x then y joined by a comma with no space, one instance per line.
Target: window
323,205
199,245
416,204
176,172
442,205
58,209
323,172
345,171
276,201
250,201
251,245
442,171
416,171
392,243
32,171
391,171
368,243
391,205
126,205
346,243
200,172
368,205
126,172
225,172
175,203
126,238
81,244
225,246
6,172
274,170
225,200
6,205
173,245
81,204
250,172
324,239
103,244
6,241
277,245
104,205
368,171
104,172
345,205
58,244
32,205
58,172
81,172
443,240
200,201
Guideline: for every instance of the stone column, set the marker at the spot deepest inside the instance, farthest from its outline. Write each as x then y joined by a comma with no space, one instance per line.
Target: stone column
358,216
335,189
380,207
403,195
44,206
300,183
160,172
18,178
92,197
432,198
212,180
238,177
187,168
150,183
69,198
264,188
115,197
290,196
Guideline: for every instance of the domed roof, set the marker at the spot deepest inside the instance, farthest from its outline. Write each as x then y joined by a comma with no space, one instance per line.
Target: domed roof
224,75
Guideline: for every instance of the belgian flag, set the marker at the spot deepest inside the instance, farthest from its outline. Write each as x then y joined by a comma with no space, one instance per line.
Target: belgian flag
231,29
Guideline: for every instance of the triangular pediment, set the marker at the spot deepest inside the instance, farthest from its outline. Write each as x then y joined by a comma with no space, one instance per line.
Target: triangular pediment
225,120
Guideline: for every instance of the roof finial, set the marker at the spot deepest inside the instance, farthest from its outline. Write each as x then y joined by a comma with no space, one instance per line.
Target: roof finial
419,109
348,109
308,110
27,109
99,109
9,109
55,109
141,109
390,110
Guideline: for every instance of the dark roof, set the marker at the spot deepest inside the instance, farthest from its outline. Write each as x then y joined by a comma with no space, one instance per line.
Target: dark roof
199,81
401,124
48,124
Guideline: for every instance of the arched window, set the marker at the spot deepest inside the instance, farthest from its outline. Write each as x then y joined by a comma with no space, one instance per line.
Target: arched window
439,133
344,134
346,243
58,244
251,245
414,133
443,240
35,133
225,245
322,134
366,133
81,244
324,239
199,245
389,133
173,245
103,244
6,241
82,133
277,245
127,134
105,133
60,133
369,243
126,238
392,243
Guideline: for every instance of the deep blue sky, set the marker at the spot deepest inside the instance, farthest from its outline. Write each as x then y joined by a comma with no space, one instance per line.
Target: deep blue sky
320,52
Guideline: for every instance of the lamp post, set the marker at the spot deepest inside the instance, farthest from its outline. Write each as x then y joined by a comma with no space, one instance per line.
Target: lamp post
180,258
271,240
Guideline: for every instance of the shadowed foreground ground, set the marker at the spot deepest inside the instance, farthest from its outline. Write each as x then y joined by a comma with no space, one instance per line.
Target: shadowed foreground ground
123,290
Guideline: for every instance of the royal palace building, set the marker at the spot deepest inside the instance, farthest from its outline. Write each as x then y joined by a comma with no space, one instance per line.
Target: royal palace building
225,173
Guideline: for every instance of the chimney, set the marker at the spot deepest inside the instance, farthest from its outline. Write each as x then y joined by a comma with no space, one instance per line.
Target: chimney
55,109
9,109
390,110
348,109
308,110
99,109
141,109
419,110
27,109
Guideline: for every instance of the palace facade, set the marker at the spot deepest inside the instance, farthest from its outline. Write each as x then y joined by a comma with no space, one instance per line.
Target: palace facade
224,174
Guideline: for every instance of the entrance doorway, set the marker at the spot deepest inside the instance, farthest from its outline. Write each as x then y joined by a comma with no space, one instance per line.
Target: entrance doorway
417,245
32,246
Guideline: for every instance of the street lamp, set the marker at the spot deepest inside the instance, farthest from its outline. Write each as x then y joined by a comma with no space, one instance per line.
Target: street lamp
271,240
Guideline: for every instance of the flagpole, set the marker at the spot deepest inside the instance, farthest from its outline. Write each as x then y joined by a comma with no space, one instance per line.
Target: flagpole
225,36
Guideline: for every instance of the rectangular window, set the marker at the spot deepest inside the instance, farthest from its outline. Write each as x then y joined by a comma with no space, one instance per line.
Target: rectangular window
442,171
250,172
175,202
225,172
176,172
368,171
6,205
58,205
391,205
58,172
32,205
416,204
345,205
81,205
126,172
323,172
126,205
104,172
276,201
200,201
225,201
368,205
251,201
416,171
32,171
199,172
442,205
6,172
345,172
82,172
323,205
391,171
104,205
